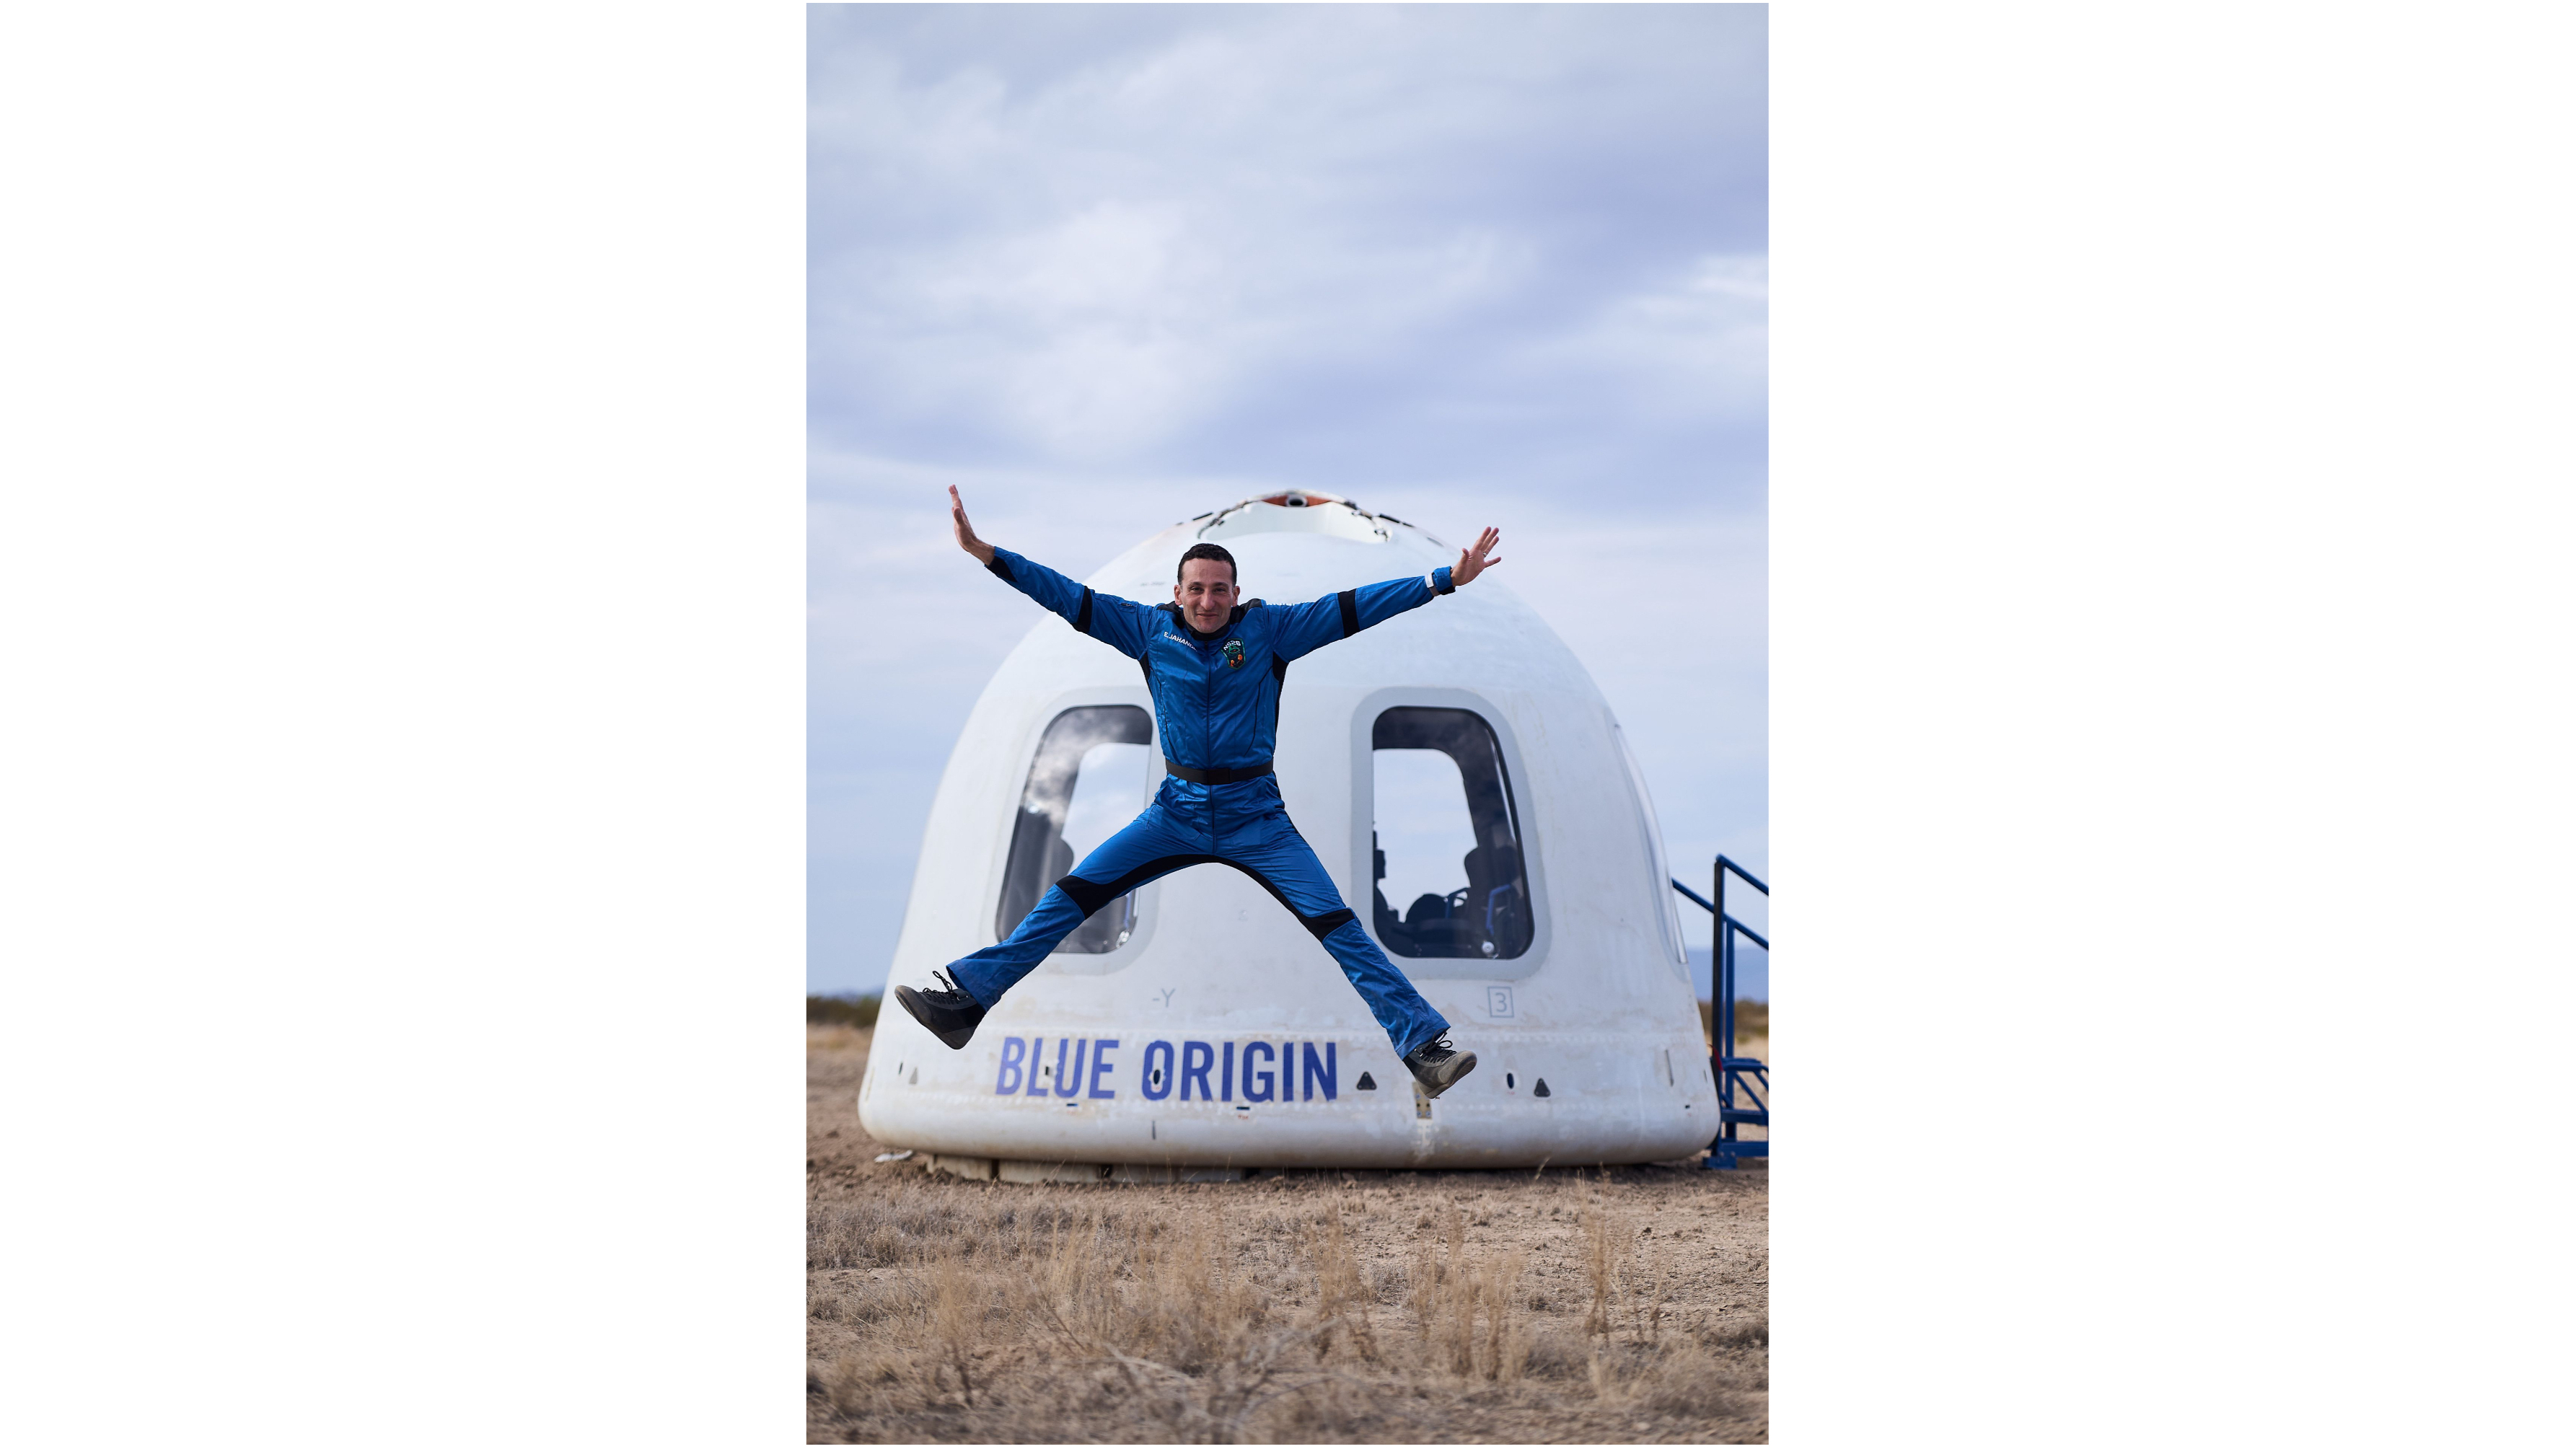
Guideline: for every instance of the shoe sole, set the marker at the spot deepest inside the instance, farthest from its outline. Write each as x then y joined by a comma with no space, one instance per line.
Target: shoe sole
1466,1063
955,1038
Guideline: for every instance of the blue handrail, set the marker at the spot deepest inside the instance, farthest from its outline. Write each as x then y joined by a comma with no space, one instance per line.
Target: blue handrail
1728,1068
1732,923
1725,864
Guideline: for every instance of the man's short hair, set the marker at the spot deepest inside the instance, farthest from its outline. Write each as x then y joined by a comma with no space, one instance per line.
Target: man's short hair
1208,550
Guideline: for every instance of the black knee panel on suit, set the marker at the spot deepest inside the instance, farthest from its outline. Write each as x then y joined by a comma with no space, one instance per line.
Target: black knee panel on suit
1329,922
1087,896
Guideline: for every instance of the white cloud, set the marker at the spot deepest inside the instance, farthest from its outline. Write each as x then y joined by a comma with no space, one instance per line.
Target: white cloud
1151,246
1119,314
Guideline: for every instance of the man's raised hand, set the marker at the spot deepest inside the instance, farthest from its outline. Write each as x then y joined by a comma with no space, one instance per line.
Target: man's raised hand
966,538
1471,561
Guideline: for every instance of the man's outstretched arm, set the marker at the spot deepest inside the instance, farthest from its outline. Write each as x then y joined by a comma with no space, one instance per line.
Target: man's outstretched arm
1122,624
1309,627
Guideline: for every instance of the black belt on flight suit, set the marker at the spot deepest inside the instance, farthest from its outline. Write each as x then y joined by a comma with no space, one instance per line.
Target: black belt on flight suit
1217,777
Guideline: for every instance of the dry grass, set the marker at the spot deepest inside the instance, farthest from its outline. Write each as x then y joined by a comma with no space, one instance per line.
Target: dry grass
1619,1306
1752,1019
841,1010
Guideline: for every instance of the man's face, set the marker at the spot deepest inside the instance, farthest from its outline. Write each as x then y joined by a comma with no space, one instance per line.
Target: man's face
1205,594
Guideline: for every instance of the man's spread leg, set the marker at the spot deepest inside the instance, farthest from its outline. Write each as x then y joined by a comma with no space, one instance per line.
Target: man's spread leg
981,978
1410,1021
1130,856
1274,853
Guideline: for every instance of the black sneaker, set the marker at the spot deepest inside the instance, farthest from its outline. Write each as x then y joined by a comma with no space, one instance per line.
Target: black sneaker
1438,1066
951,1014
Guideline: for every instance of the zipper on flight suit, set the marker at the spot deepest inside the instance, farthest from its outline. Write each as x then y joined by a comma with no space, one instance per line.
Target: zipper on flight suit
1207,731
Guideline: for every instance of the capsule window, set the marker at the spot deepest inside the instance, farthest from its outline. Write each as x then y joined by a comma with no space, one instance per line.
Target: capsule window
1450,879
1086,783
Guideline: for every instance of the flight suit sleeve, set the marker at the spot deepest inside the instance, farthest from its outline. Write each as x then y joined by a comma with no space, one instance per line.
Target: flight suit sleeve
1305,628
1122,624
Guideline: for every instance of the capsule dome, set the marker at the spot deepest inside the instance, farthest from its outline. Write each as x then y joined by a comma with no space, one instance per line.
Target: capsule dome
1466,786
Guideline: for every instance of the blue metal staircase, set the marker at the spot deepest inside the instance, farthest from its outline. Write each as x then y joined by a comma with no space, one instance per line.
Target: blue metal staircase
1733,1073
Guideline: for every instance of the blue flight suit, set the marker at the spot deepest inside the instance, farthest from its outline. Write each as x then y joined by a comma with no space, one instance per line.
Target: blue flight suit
1216,708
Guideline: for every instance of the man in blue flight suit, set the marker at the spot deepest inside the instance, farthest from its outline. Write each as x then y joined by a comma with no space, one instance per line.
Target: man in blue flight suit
1215,666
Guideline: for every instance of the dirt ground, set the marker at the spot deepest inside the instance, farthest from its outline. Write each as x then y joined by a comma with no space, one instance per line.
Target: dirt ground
1626,1306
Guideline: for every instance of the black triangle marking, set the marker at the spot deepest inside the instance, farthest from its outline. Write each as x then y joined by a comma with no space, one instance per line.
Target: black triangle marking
1541,1089
1367,1082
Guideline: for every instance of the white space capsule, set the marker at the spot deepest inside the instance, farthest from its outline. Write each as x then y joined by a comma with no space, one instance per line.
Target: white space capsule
1465,785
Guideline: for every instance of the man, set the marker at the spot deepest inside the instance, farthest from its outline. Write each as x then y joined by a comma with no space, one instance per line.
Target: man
1215,666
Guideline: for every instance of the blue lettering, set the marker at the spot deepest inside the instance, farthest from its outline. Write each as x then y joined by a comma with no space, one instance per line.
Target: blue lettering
1328,1071
1301,1068
1100,1067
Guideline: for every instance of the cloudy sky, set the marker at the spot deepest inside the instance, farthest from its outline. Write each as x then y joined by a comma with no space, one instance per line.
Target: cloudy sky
1105,268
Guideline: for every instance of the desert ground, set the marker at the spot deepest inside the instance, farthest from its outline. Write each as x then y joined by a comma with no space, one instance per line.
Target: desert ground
1627,1305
